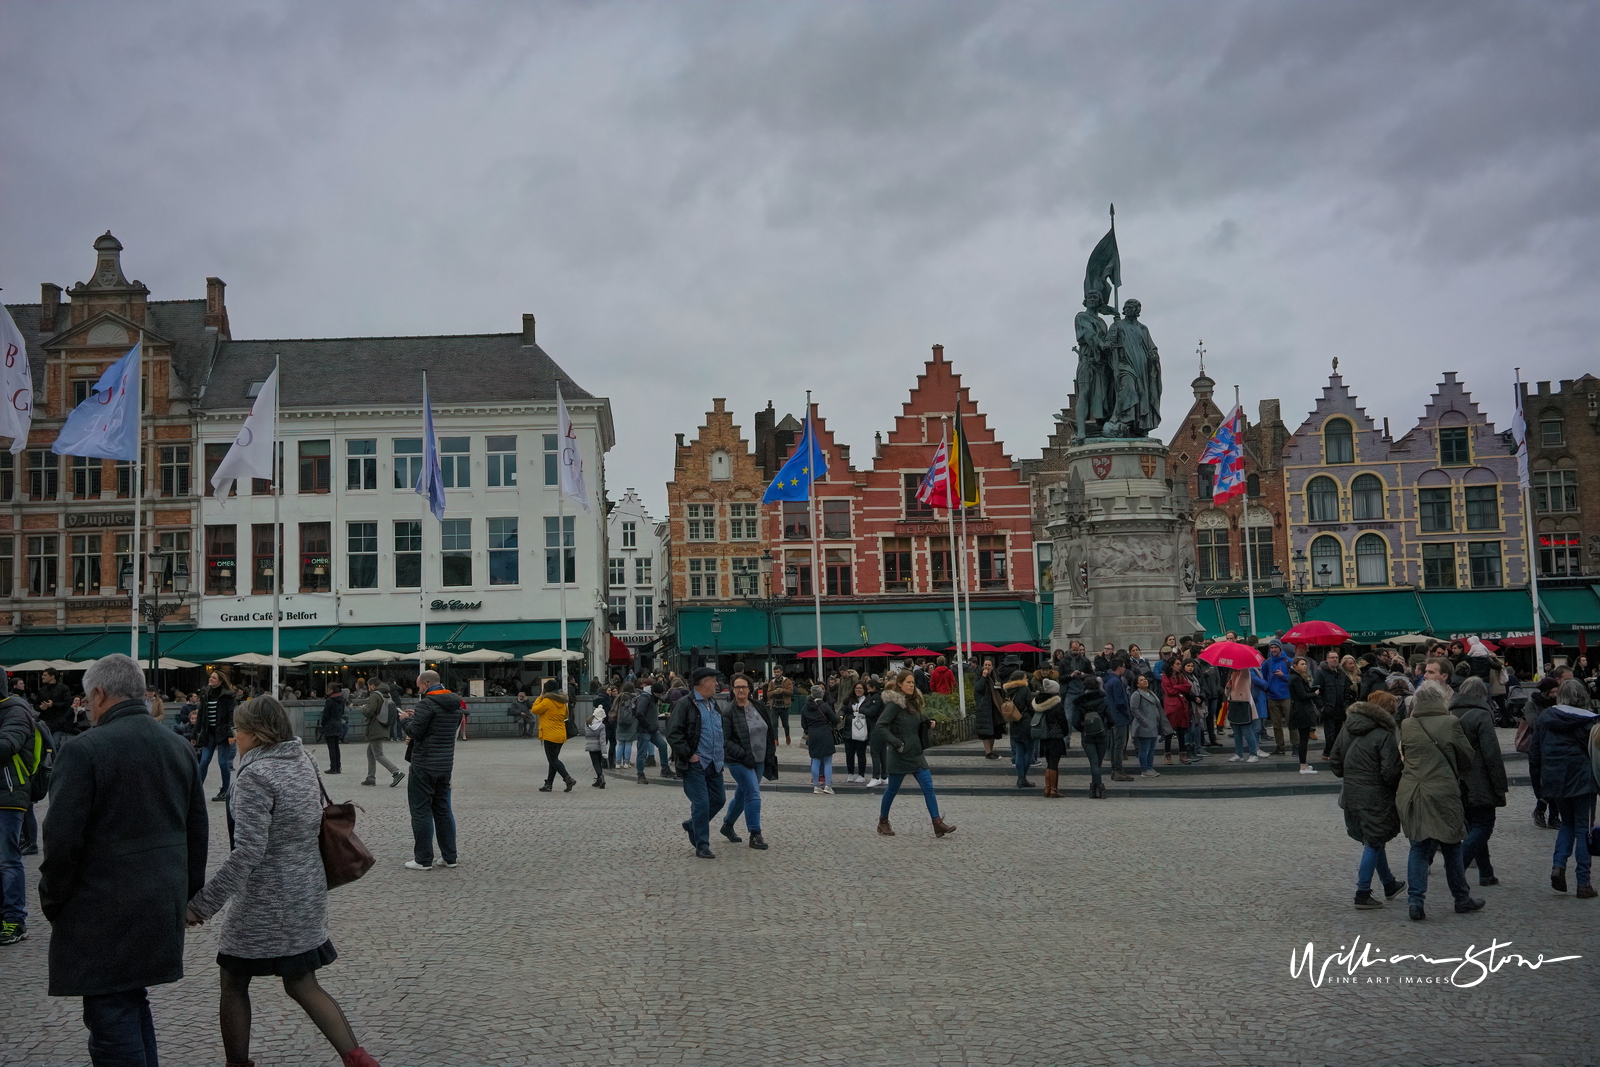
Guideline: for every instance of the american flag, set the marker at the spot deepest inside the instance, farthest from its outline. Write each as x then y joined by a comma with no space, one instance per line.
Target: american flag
1226,450
937,490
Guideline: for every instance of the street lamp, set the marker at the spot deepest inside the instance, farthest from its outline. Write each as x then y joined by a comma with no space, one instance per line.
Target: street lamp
1244,620
716,641
163,569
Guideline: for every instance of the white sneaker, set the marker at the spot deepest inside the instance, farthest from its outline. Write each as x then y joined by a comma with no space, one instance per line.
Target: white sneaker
1308,770
816,790
1235,758
828,789
1150,774
413,865
442,863
1253,759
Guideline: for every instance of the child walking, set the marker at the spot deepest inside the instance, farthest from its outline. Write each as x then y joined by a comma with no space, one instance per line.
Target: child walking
594,742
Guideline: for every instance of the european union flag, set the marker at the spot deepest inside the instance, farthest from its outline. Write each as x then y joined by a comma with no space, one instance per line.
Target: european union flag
808,463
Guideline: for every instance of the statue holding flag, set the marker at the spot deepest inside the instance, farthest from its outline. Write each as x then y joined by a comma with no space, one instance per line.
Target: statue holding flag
1117,387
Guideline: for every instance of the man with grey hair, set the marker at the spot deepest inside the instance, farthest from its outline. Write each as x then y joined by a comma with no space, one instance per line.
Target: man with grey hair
124,849
1436,756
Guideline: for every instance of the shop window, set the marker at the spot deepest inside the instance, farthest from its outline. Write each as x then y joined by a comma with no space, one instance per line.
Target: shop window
262,557
316,559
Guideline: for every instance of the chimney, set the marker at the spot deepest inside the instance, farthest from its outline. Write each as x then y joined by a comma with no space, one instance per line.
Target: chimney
1386,426
216,306
527,330
877,444
938,353
1270,412
49,301
679,436
719,405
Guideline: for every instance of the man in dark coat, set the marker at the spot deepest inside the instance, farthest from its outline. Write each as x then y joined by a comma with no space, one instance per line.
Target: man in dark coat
54,704
695,734
1486,777
431,726
335,722
1120,708
1333,688
124,850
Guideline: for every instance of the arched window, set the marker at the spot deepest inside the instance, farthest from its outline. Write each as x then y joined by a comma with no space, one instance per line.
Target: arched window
1205,480
1338,441
1372,560
1327,563
1322,500
1252,485
1366,498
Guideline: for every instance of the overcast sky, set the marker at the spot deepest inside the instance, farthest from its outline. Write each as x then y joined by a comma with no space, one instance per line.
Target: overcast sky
752,199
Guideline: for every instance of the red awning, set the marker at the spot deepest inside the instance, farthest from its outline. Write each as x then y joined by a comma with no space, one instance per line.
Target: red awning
620,654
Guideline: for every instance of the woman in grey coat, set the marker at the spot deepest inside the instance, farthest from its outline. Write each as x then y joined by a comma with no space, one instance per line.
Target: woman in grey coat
1367,756
277,921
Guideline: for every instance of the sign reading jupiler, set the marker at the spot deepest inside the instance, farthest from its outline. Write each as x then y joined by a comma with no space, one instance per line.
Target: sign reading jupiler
91,519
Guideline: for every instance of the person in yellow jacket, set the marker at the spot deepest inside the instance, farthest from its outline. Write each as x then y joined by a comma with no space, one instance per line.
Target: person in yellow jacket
551,711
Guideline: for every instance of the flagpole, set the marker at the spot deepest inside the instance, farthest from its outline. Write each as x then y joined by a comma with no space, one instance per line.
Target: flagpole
561,551
1244,525
277,528
962,452
138,512
955,583
1531,541
817,570
422,544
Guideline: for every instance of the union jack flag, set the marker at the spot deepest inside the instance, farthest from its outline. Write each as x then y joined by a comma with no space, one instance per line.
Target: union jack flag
937,490
1226,450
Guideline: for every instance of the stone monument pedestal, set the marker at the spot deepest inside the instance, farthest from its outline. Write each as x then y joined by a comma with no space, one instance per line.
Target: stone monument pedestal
1124,547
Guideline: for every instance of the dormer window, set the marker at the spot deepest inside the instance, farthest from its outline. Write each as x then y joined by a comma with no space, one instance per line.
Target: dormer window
1338,441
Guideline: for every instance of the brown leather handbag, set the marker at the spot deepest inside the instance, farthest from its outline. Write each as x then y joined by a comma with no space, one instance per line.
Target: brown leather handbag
344,856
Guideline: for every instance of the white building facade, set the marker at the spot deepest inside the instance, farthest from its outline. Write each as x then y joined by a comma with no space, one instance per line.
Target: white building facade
637,576
365,562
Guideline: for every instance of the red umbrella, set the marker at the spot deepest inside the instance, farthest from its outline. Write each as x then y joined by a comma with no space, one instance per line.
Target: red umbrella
1231,654
976,646
1317,632
827,653
919,652
890,650
870,650
1526,642
1018,646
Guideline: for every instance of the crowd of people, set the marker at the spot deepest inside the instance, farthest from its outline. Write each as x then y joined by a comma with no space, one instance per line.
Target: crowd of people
1413,740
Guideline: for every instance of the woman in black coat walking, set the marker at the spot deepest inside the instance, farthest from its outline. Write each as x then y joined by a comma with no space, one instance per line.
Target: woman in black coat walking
1367,757
213,729
900,726
819,721
986,709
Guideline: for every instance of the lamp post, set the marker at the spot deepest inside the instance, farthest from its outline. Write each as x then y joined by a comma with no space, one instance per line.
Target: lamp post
1293,593
1244,621
771,604
716,641
163,567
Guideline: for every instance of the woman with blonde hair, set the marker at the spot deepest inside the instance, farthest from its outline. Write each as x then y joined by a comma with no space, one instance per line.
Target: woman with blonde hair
274,885
900,729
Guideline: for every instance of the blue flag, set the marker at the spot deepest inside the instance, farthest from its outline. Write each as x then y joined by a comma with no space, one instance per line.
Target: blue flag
107,423
806,465
430,483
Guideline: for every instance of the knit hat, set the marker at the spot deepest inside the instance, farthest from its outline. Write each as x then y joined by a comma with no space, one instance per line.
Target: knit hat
1051,686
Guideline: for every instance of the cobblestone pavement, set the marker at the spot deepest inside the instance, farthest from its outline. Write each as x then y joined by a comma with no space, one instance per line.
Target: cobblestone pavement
579,929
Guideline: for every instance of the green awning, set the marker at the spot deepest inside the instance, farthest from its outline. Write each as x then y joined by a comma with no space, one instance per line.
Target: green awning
208,646
352,639
1488,613
1569,609
56,644
108,643
1218,615
521,638
912,625
743,629
1372,616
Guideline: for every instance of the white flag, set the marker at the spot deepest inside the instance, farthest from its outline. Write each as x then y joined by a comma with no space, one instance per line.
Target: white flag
572,483
252,451
16,381
1519,434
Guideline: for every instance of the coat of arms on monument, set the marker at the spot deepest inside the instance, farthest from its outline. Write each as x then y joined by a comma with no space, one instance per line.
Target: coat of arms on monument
1101,465
1148,465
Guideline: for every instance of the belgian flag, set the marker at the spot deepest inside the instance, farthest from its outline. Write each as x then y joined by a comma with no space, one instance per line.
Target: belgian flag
963,475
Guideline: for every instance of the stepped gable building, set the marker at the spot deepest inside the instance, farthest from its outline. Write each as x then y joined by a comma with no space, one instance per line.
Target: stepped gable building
718,530
1564,472
67,524
637,577
1218,540
1437,510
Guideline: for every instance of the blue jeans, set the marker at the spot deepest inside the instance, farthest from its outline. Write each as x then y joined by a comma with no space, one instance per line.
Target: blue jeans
746,797
1196,735
624,751
224,754
822,771
924,779
653,738
13,882
1421,859
1244,739
1374,859
121,1031
1480,824
429,797
1022,754
1147,753
707,792
1574,812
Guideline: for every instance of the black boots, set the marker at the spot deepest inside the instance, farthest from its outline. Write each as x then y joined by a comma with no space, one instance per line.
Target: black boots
727,831
571,781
